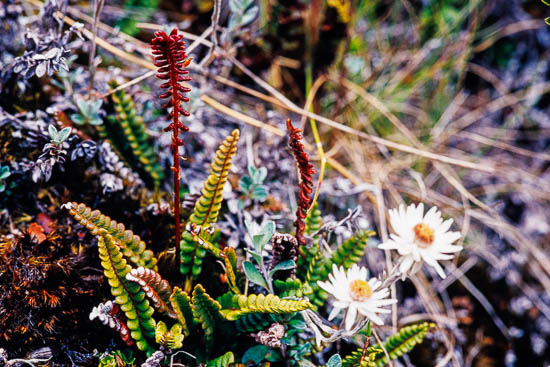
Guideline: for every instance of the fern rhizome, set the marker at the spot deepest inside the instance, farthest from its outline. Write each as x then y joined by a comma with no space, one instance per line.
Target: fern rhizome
217,323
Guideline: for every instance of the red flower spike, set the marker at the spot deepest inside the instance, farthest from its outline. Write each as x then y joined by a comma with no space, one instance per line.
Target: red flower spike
171,59
306,180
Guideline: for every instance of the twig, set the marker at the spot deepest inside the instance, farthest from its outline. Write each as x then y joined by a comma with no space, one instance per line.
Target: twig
98,7
214,36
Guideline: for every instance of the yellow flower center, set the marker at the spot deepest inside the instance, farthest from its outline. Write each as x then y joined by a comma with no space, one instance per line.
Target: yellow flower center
360,290
424,235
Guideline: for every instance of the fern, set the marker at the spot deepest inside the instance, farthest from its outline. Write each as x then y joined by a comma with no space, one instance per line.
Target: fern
156,289
254,322
230,262
292,288
172,338
108,314
307,261
396,345
350,252
181,306
131,244
207,312
314,220
306,171
208,206
236,306
222,361
128,295
127,133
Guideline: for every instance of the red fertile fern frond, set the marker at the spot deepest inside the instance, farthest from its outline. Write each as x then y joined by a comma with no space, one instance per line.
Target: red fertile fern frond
170,58
306,180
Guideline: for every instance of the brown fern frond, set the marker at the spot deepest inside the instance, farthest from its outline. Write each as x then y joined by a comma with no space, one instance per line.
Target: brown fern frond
108,314
306,180
156,289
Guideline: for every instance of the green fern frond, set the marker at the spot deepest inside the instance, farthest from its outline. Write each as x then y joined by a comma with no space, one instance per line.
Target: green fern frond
313,275
396,345
131,244
172,338
350,252
208,206
181,306
201,240
235,306
254,322
207,311
314,220
222,361
127,133
230,261
308,261
292,288
127,294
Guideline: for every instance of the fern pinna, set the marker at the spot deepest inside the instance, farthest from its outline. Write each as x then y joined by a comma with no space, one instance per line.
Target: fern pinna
171,59
127,132
395,345
207,208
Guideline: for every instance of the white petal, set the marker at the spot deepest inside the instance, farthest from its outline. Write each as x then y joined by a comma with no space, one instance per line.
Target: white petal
434,264
335,311
350,317
374,318
326,286
406,263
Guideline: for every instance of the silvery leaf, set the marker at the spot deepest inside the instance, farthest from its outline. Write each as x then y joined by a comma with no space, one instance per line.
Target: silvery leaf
52,53
40,69
53,132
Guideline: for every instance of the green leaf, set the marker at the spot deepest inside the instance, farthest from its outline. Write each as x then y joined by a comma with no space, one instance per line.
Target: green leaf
255,354
77,119
244,184
251,171
273,355
257,257
83,107
222,361
4,172
53,132
260,175
63,134
253,274
335,361
285,265
259,193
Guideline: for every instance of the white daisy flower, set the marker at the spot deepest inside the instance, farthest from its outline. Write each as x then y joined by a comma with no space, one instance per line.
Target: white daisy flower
354,292
420,237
